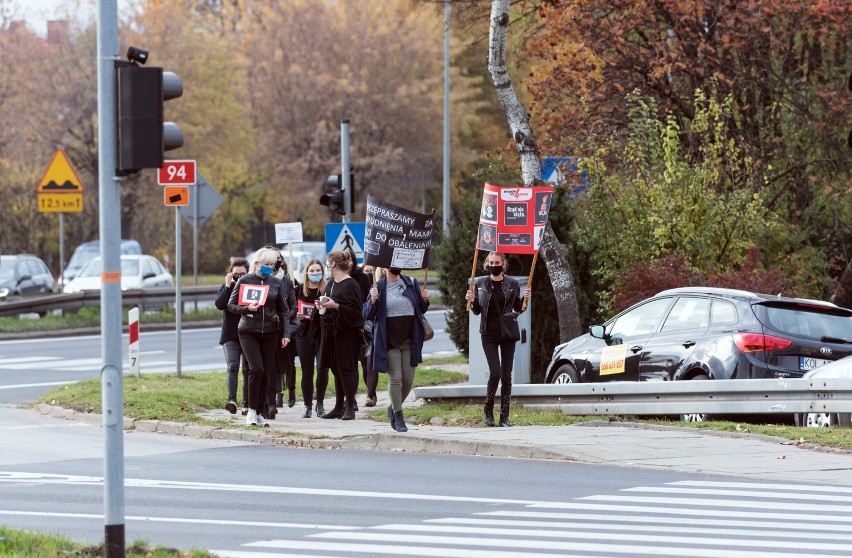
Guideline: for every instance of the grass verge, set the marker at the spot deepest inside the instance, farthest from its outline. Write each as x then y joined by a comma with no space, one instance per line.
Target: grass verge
25,544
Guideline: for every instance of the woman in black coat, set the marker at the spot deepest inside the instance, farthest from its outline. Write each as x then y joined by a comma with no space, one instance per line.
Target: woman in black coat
341,337
496,295
229,338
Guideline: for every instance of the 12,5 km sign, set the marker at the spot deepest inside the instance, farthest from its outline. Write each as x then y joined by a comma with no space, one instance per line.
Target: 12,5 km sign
176,173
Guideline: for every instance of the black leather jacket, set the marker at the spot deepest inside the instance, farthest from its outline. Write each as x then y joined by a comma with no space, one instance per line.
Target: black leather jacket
271,316
482,298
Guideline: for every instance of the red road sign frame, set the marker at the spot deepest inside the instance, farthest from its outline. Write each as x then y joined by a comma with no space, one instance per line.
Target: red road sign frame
177,173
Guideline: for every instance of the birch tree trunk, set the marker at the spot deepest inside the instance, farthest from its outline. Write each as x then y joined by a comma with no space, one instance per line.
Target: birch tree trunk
554,253
843,292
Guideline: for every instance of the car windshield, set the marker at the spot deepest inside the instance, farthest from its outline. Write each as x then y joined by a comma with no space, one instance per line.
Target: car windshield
82,257
128,268
805,321
7,268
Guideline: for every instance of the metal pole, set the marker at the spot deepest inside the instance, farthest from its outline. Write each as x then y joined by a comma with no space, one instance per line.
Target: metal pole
344,170
447,8
178,301
195,201
110,232
61,250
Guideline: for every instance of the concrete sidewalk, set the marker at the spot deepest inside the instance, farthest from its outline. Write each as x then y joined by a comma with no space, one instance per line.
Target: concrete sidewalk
617,444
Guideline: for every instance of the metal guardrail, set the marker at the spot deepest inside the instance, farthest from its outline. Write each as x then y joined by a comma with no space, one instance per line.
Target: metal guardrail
782,396
143,298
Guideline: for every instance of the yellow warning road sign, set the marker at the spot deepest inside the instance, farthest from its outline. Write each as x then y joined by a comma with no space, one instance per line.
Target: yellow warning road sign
60,177
60,203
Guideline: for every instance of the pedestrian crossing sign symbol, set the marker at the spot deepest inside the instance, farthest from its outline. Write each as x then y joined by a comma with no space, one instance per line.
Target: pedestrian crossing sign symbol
60,177
342,236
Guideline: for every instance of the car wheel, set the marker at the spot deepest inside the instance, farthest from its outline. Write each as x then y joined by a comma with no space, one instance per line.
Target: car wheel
565,374
697,417
820,420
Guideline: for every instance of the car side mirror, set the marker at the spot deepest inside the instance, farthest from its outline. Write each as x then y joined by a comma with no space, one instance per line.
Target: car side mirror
25,277
148,275
597,331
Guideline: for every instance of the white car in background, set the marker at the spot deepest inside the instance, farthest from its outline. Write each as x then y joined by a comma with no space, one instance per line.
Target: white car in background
838,369
137,272
297,261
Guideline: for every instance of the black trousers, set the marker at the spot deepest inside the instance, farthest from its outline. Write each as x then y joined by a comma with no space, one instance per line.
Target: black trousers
500,357
259,350
307,352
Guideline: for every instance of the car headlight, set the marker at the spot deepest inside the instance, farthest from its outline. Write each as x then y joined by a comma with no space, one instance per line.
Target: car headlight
4,292
68,289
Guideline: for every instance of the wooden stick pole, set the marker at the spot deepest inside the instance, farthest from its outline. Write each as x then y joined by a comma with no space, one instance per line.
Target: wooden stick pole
529,281
473,272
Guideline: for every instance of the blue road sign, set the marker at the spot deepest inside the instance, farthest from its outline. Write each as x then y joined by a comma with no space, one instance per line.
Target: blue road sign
340,236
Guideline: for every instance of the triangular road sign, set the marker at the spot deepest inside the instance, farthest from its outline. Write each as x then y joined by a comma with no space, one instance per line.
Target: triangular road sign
60,177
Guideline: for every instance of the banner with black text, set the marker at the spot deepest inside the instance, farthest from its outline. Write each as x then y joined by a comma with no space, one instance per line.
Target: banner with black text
396,237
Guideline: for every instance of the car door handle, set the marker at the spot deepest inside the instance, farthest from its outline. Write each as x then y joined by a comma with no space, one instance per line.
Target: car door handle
636,348
688,344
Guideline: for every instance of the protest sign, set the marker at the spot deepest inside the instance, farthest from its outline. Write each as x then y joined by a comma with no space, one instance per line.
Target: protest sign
513,218
396,237
252,294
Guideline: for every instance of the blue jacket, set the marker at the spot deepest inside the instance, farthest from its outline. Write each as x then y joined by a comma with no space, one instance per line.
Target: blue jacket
378,314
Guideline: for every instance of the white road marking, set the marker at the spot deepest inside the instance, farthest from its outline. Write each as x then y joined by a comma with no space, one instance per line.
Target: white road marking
793,506
44,384
396,550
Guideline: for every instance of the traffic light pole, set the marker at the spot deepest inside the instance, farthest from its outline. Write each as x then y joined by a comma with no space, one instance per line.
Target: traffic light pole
345,170
110,232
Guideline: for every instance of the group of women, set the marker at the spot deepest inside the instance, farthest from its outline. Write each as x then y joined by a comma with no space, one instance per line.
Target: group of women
329,314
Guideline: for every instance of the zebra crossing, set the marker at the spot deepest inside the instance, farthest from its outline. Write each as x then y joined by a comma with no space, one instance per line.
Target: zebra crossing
681,519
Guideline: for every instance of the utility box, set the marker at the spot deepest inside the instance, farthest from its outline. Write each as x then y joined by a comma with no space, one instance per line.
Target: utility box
478,369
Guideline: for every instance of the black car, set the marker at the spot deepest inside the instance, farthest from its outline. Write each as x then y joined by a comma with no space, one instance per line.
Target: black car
701,333
23,275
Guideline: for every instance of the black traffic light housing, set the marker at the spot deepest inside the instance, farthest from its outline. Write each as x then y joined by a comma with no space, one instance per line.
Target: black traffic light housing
333,199
143,136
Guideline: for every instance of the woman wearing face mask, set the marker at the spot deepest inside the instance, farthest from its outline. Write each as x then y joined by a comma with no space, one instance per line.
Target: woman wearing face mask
229,338
307,338
492,297
395,306
259,330
341,339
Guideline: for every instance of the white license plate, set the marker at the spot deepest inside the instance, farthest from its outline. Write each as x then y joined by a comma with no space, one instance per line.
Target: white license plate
809,363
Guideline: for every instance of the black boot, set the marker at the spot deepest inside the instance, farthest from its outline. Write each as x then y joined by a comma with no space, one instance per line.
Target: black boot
489,405
271,412
320,409
349,411
337,412
504,410
391,417
292,400
399,421
278,401
307,413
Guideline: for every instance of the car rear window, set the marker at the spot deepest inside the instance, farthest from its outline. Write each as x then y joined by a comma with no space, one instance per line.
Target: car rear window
807,321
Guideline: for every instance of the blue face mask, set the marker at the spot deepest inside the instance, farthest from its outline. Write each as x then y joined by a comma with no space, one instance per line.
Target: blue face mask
265,270
315,277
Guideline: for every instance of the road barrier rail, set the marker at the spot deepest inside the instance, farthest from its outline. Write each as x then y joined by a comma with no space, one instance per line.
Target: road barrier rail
765,396
154,297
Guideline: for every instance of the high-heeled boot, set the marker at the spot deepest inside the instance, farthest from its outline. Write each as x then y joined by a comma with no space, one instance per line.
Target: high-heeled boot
399,421
337,412
349,411
504,410
391,417
488,408
307,413
320,409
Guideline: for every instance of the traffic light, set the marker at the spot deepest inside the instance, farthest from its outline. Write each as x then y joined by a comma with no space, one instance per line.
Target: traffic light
333,199
143,135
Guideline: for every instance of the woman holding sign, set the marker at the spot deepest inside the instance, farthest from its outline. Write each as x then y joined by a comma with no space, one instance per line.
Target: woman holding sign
497,298
260,300
308,336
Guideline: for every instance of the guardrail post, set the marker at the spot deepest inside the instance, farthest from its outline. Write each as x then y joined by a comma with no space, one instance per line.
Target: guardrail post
133,333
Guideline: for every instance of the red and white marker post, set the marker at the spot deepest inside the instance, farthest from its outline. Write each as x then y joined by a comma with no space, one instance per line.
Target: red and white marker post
133,331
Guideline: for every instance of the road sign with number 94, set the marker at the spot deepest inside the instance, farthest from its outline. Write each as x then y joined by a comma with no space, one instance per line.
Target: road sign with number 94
176,173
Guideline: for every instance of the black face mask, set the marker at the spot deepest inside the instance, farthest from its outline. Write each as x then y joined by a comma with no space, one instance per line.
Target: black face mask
495,270
395,270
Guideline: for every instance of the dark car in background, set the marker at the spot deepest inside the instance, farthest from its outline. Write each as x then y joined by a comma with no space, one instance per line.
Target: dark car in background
24,275
702,333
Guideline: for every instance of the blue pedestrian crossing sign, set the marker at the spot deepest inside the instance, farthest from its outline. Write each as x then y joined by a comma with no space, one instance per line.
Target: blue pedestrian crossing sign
342,236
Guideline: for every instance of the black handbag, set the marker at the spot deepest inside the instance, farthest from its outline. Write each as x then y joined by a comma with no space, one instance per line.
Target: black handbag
509,330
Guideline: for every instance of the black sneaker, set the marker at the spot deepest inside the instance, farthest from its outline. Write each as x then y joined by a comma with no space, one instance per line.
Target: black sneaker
231,407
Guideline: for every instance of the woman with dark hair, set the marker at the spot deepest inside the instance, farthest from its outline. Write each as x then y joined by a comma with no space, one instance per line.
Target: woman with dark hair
341,337
308,336
371,377
496,295
229,338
